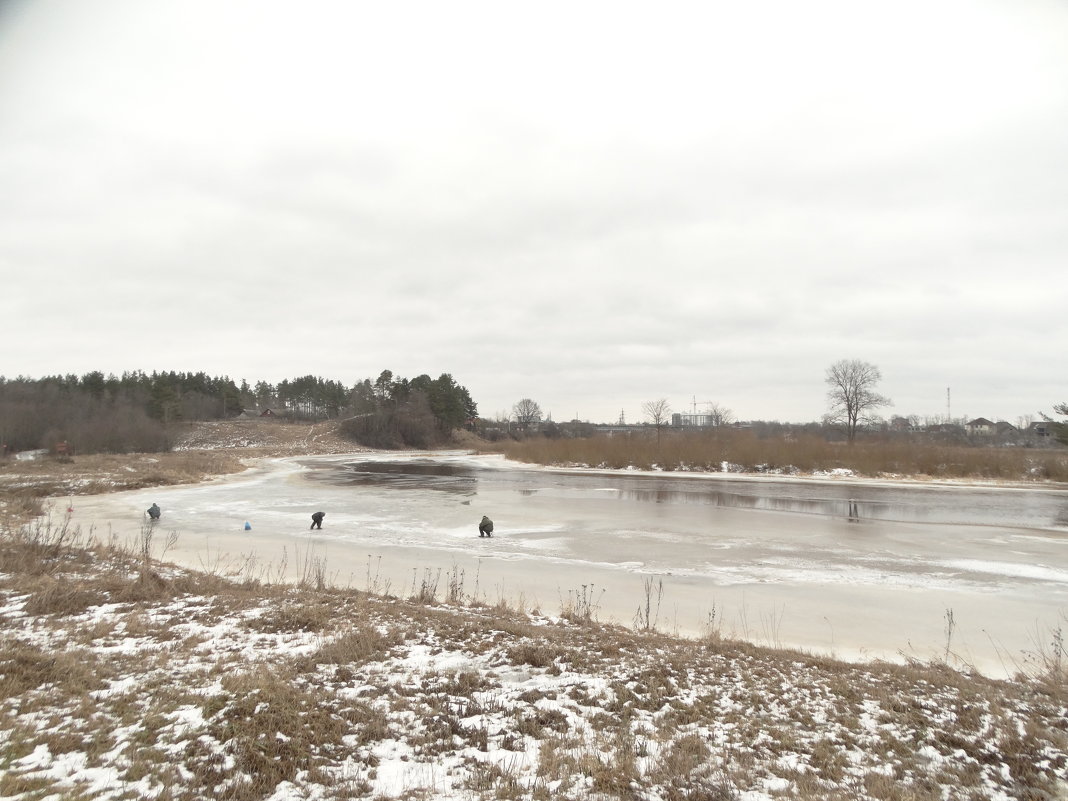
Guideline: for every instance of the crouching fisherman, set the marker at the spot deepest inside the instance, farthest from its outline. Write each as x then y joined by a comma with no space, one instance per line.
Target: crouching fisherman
485,528
154,512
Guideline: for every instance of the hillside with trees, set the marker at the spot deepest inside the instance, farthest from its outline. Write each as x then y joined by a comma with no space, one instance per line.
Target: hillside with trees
94,413
398,412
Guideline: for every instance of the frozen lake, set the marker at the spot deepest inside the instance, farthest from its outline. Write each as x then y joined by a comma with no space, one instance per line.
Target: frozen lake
850,568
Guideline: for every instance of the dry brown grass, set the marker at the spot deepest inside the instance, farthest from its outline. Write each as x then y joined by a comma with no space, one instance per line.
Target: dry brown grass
56,597
41,546
25,666
270,729
109,472
289,615
352,644
708,451
536,653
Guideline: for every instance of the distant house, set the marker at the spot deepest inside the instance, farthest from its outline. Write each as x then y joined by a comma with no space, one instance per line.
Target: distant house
899,423
1040,430
944,428
980,427
254,414
1006,429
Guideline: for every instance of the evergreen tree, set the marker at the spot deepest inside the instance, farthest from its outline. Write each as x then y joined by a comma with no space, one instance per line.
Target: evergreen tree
1060,430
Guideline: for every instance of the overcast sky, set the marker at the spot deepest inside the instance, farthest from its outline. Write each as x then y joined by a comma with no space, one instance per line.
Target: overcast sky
591,205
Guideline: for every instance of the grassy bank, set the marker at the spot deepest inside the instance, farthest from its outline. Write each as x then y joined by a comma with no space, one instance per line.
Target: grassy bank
743,451
26,486
202,451
122,677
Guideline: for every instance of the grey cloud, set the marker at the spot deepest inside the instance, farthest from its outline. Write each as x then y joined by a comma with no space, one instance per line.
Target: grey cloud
675,227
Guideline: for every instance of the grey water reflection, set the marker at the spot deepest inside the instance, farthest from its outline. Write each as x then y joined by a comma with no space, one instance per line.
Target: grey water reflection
855,501
851,501
848,508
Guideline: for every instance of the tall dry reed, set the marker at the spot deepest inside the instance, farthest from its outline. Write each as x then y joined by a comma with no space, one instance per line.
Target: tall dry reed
744,451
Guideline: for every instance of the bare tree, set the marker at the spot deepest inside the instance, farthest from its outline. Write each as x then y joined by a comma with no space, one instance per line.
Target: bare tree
852,394
719,415
527,413
658,412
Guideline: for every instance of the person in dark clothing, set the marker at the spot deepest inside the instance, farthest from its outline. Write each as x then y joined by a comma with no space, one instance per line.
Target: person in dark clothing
154,512
317,520
485,528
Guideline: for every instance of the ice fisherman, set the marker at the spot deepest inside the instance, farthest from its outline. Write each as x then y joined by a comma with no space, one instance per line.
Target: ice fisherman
485,528
154,511
317,520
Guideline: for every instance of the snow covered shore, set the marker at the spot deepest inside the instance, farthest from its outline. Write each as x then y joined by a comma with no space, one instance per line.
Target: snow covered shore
121,678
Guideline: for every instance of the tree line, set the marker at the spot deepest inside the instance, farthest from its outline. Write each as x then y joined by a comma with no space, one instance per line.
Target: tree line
395,412
852,399
97,413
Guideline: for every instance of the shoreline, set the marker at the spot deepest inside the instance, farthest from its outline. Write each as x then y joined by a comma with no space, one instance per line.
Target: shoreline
910,482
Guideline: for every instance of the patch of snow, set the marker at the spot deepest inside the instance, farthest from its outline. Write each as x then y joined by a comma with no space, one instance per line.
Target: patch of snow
115,687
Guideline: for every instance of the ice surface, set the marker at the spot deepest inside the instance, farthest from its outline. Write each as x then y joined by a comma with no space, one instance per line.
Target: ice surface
857,569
